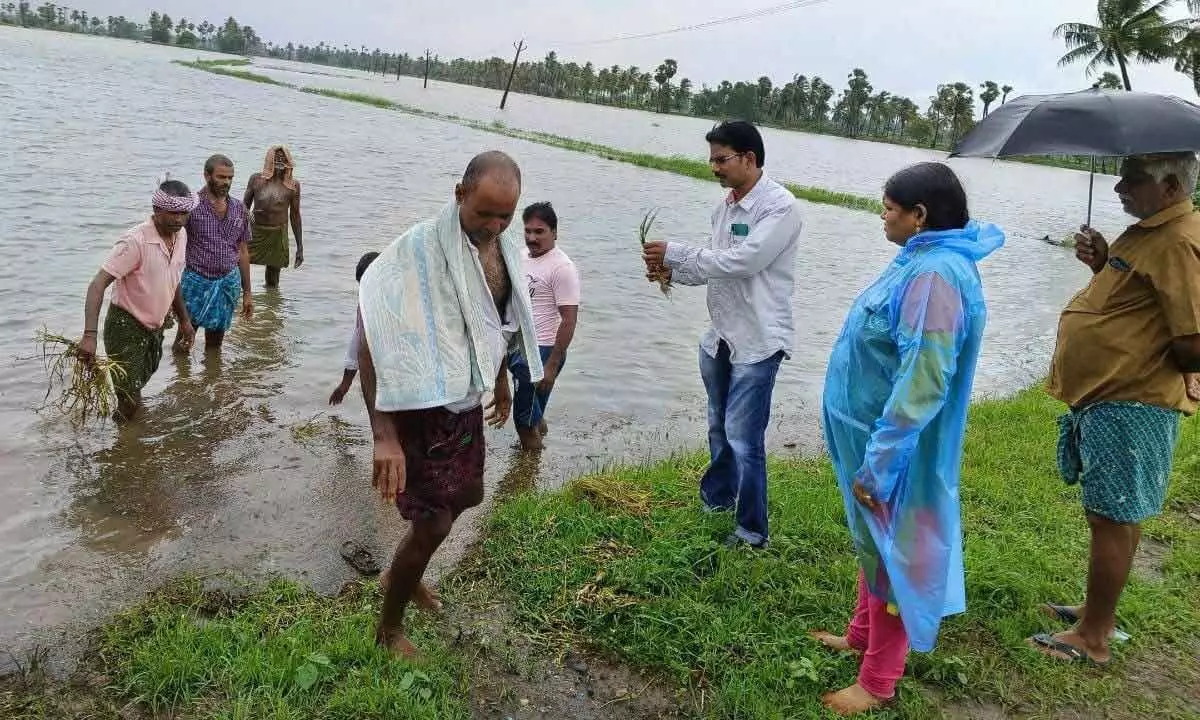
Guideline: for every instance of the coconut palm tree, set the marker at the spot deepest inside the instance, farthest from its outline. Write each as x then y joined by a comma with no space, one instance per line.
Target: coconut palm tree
1187,51
1128,30
1004,93
991,91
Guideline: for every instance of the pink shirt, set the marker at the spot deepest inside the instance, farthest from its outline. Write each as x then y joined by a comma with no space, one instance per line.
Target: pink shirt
147,276
553,281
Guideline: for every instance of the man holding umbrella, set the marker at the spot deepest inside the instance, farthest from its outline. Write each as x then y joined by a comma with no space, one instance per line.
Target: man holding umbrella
1128,349
1126,343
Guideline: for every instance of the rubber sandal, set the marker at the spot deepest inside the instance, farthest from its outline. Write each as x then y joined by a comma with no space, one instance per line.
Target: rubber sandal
1042,642
1067,615
359,558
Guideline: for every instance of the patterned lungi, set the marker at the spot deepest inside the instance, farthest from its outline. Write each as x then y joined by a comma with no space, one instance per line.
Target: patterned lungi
269,246
135,346
211,301
444,454
1121,454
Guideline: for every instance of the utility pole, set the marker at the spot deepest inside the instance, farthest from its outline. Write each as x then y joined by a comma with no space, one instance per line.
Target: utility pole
513,71
397,66
427,68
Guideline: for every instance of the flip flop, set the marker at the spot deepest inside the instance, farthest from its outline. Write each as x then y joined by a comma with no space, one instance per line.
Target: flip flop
1042,642
1067,614
359,558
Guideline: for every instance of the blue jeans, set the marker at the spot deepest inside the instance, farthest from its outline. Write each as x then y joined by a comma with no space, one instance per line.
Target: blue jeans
529,403
739,410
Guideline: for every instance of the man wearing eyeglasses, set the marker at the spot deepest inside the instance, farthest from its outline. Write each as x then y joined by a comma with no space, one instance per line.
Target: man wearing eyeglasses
749,272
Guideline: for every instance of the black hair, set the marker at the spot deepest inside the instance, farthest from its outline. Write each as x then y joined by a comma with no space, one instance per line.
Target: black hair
935,186
364,262
486,163
216,160
543,211
741,136
175,188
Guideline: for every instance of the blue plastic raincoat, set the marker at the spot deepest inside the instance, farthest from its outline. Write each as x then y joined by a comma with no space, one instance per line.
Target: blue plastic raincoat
895,411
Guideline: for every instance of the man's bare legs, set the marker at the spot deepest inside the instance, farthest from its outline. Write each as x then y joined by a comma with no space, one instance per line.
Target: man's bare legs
424,597
1078,610
1113,548
272,277
404,578
213,339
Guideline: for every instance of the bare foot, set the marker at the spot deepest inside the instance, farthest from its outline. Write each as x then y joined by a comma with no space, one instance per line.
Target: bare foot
396,644
426,599
853,700
1070,646
531,439
834,642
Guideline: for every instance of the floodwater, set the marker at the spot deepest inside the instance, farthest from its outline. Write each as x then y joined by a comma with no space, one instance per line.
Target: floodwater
239,463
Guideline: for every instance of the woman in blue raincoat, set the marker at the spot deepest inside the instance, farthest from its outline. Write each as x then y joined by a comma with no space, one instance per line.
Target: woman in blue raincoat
894,414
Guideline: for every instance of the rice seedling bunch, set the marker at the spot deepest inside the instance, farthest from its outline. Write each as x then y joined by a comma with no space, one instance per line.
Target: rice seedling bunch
661,274
86,391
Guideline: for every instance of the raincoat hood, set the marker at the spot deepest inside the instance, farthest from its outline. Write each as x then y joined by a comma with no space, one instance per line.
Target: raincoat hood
977,240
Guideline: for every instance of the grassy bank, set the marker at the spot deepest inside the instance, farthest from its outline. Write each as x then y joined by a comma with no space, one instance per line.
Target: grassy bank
624,563
229,68
678,165
280,652
628,562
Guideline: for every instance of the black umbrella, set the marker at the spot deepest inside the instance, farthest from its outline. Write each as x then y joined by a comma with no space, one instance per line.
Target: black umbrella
1095,122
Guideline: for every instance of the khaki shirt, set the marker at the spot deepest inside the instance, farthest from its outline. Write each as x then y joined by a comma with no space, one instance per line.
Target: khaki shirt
1114,338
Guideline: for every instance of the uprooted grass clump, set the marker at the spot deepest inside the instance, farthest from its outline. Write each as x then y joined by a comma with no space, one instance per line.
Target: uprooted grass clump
82,391
649,582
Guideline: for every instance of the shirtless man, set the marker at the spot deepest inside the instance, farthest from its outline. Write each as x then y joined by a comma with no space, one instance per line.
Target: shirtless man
425,365
274,197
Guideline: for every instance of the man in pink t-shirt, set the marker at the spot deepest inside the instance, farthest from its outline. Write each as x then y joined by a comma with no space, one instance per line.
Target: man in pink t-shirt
554,291
145,267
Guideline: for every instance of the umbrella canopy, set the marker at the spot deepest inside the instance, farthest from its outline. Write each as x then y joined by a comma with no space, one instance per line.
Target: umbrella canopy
1104,123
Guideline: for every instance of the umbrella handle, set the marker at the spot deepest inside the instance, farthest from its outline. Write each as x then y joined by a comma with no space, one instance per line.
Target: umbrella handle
1091,190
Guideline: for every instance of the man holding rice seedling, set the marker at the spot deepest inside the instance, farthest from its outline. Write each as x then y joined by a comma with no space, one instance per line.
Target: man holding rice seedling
749,272
218,259
144,268
441,309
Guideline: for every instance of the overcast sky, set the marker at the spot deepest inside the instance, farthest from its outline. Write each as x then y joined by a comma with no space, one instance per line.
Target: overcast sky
907,47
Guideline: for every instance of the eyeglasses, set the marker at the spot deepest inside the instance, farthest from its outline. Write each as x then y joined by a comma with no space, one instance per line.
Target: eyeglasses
724,158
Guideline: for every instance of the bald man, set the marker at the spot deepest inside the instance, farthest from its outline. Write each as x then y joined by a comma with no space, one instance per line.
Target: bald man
440,310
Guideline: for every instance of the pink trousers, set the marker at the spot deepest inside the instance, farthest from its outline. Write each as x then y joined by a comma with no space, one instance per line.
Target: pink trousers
880,637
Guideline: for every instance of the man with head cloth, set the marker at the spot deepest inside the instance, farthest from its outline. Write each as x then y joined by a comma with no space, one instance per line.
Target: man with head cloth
274,197
144,267
440,310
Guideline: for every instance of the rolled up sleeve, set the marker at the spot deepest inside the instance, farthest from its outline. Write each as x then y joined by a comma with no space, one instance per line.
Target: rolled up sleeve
768,238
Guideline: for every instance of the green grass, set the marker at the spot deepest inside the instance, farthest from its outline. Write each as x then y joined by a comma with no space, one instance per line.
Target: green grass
675,164
656,589
221,67
281,653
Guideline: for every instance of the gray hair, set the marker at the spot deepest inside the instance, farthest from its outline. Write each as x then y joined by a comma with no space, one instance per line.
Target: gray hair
1182,165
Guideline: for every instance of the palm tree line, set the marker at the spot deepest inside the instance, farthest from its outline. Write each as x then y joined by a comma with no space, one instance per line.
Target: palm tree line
806,103
1125,32
1128,32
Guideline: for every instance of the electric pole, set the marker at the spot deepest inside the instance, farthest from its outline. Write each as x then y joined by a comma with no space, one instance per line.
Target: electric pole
513,71
427,68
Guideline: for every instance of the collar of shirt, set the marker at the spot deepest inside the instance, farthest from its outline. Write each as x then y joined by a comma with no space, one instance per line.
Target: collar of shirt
151,237
750,199
1165,216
